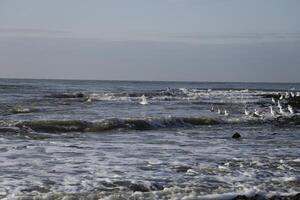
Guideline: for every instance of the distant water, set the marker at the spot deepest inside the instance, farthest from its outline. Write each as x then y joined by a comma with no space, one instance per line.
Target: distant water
94,139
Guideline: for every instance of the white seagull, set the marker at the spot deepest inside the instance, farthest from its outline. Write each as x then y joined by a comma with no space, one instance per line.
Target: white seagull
219,111
279,105
226,113
273,100
144,100
89,100
287,95
292,94
273,112
290,108
257,113
281,111
247,112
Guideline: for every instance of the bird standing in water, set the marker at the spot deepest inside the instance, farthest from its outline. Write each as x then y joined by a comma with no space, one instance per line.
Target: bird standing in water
291,110
144,100
226,113
273,112
247,112
273,100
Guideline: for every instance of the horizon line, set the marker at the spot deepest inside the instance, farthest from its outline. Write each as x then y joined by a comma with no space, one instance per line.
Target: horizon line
131,80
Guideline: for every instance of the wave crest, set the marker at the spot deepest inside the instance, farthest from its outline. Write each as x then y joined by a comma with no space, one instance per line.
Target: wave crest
60,126
56,126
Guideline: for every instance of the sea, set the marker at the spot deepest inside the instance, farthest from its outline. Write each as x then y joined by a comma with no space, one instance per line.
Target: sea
74,139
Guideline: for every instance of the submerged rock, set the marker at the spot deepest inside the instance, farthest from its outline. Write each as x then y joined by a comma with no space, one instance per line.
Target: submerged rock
236,136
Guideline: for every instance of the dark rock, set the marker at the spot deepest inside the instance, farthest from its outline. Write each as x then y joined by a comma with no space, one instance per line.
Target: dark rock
138,187
236,136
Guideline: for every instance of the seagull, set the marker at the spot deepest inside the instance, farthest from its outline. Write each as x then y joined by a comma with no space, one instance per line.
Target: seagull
212,109
281,97
144,100
226,113
290,108
281,111
219,111
257,113
287,95
247,112
89,100
279,105
273,100
292,94
298,94
273,112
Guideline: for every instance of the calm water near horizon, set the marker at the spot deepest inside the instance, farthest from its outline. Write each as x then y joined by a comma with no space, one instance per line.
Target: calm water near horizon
94,139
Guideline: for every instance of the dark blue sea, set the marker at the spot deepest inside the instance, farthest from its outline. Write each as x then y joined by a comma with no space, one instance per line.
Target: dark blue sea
68,139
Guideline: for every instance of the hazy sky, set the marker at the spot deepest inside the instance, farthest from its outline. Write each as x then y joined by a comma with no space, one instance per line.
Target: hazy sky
192,40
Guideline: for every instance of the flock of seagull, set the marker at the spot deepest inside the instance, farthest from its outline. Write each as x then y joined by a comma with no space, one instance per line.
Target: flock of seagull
256,113
273,112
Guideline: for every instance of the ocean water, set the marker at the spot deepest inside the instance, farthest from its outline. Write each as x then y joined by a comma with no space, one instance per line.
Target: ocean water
94,140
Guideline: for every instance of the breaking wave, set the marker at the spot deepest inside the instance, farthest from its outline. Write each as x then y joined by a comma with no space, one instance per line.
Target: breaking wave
180,94
141,191
56,126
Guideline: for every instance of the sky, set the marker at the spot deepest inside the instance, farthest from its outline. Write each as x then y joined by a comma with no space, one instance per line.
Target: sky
168,40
